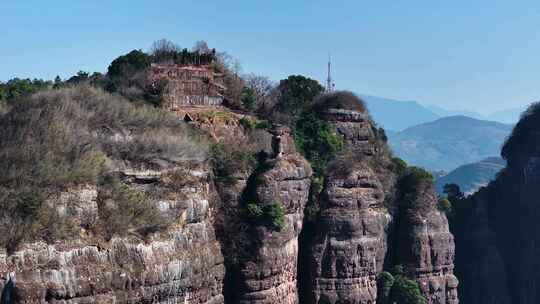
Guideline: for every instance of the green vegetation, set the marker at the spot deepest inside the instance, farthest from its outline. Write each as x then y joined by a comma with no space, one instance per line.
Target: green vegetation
272,215
453,192
254,124
413,177
297,93
317,141
248,98
385,281
445,205
127,65
16,89
399,166
397,288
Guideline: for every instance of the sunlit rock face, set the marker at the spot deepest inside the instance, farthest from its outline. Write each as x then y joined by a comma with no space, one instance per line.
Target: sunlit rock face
350,242
262,260
351,239
425,247
181,265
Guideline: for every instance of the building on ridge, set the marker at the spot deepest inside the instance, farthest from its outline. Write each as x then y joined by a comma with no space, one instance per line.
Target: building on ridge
187,85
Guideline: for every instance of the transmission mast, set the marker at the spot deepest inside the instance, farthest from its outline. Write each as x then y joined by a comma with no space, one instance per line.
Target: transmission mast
329,83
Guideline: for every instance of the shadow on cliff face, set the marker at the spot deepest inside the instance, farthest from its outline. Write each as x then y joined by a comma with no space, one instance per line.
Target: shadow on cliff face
497,227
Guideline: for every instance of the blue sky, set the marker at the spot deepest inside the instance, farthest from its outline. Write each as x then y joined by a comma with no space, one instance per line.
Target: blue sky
479,55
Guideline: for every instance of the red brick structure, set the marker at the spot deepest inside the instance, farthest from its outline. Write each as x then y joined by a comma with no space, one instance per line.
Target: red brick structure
188,85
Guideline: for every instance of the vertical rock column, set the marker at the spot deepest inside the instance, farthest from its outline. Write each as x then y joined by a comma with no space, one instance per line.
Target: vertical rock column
425,247
350,243
268,269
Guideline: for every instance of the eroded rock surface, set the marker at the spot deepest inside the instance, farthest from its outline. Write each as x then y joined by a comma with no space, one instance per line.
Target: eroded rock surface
181,265
351,239
425,246
349,248
264,268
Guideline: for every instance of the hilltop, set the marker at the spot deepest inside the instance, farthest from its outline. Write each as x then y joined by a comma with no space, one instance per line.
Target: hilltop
470,177
449,142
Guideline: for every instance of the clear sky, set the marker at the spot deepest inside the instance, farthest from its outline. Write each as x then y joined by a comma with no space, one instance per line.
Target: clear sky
459,54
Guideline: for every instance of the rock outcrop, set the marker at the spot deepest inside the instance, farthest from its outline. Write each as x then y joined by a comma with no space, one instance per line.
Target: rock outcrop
349,246
183,264
236,239
364,228
264,269
497,230
351,238
425,246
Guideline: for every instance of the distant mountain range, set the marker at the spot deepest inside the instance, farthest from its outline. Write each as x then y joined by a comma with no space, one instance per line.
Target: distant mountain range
471,177
449,142
397,115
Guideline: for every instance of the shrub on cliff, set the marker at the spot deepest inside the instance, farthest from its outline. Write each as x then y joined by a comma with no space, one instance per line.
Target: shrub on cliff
397,288
445,205
406,291
317,141
413,177
62,138
271,216
125,210
341,100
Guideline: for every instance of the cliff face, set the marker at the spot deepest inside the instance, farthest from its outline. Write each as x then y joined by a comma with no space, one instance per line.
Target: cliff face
351,239
425,247
364,227
262,261
183,264
350,242
497,234
218,250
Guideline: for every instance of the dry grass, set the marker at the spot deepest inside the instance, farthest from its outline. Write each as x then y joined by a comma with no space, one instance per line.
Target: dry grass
60,138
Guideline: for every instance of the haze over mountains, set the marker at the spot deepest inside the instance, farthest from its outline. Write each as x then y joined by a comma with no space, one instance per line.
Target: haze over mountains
397,115
470,177
440,139
449,142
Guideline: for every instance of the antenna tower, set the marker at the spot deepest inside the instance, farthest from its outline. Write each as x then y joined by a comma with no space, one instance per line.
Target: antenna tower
329,83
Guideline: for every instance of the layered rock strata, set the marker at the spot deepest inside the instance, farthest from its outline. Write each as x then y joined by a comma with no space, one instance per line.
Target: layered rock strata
183,264
351,238
425,246
264,266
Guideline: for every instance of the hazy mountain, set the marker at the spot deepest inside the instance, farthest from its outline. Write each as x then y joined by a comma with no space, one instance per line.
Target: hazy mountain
445,112
449,142
471,177
396,114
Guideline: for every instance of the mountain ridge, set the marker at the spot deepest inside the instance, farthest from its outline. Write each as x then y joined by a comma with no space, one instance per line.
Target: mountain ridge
448,142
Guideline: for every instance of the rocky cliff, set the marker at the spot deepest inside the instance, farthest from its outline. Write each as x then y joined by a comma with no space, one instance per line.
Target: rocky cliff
497,228
262,260
183,264
234,225
366,225
351,234
425,246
